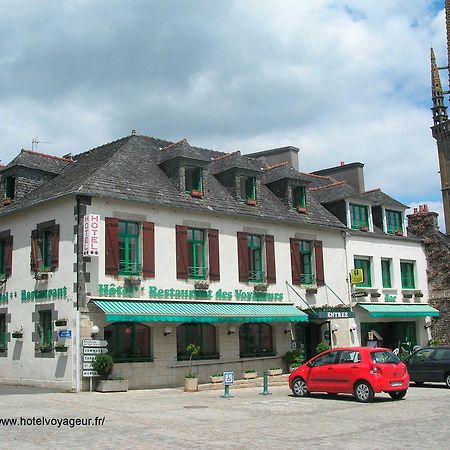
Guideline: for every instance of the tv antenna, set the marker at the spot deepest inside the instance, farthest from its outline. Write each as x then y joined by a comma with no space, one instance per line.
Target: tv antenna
36,141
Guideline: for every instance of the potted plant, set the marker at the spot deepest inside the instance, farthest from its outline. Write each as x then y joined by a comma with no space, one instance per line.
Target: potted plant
191,379
6,201
399,233
364,228
418,294
216,378
201,285
302,210
251,201
375,294
61,348
275,371
196,194
407,295
17,334
103,364
311,290
42,273
45,348
294,358
3,348
133,281
322,347
260,287
250,373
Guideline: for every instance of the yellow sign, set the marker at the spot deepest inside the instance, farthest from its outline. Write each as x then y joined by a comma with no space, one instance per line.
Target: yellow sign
357,276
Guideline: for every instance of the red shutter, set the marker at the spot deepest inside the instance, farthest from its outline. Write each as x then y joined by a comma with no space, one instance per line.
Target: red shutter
242,256
8,256
214,266
295,261
318,253
34,263
182,252
148,239
111,246
270,260
55,247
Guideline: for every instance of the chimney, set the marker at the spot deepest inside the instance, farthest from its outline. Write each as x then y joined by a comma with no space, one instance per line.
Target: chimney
352,174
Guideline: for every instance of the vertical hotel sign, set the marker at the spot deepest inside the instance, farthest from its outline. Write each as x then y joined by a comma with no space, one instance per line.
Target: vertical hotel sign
91,234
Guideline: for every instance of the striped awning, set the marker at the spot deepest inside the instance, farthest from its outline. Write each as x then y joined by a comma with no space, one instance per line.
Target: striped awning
399,309
173,311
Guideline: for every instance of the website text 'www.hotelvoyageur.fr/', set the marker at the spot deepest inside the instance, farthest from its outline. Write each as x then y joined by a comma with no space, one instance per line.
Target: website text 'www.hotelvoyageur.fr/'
59,422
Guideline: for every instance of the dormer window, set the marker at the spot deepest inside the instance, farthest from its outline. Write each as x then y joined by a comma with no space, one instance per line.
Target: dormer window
394,222
194,181
10,187
299,198
248,190
359,217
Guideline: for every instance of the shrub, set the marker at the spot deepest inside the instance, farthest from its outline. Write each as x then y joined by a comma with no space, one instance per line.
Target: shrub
103,364
295,357
249,371
322,346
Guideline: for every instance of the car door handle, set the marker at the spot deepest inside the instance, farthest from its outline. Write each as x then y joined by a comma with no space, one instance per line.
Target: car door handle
330,368
354,367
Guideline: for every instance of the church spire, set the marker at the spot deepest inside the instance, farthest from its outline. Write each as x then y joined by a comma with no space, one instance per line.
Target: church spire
439,109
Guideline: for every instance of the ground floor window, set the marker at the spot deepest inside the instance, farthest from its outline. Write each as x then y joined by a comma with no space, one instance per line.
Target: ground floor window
255,339
129,342
201,334
2,332
401,335
45,329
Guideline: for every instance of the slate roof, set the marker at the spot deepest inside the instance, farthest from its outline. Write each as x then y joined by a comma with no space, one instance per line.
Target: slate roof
284,171
334,191
184,150
128,169
38,161
379,198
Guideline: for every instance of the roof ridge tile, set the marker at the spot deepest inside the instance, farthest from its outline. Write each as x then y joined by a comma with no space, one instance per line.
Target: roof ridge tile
237,152
325,186
60,158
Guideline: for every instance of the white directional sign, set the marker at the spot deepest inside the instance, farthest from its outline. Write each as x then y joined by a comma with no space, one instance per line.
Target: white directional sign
90,373
88,365
93,350
228,378
89,358
94,343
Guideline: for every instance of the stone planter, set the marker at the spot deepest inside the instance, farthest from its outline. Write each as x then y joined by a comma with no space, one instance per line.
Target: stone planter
190,384
112,386
216,379
250,375
273,372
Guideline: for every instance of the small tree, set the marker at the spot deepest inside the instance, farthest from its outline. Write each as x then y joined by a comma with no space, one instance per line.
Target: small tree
103,364
322,347
193,350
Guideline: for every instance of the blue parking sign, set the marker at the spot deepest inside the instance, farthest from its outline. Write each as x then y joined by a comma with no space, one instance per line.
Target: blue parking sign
228,378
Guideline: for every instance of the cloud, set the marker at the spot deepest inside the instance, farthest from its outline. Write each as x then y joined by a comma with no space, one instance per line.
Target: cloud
342,80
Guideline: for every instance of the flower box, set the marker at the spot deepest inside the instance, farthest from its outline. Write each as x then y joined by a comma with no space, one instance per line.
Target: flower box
197,194
61,323
275,371
45,349
6,201
399,233
132,281
216,378
201,285
17,334
375,294
311,290
301,210
250,375
251,201
61,349
2,349
260,287
112,386
41,275
364,228
418,294
407,295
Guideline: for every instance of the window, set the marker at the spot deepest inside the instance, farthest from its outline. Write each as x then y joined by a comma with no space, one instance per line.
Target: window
359,217
194,179
2,258
384,357
386,273
3,343
422,355
255,339
196,254
407,273
255,261
298,197
45,328
45,247
128,341
201,334
442,354
348,356
129,248
364,264
10,187
324,360
306,267
394,221
248,188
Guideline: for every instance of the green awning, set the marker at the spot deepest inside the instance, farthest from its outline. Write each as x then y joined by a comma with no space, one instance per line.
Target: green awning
173,311
399,310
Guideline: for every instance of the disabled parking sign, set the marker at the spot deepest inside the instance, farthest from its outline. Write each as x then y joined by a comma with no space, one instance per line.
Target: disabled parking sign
228,378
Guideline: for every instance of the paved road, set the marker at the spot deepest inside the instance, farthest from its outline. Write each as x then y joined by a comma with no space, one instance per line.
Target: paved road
172,419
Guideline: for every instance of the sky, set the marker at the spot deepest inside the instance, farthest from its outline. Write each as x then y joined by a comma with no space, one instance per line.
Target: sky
341,80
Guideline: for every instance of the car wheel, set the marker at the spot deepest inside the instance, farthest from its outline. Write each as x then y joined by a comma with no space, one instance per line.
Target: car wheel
447,380
363,392
299,388
397,395
419,383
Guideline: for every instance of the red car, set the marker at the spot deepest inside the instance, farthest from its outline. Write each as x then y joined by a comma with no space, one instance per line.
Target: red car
361,371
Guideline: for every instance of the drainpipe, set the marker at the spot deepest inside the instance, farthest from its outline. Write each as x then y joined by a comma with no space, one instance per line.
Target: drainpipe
78,317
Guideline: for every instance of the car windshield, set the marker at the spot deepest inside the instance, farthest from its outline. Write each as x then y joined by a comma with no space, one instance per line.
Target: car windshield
384,357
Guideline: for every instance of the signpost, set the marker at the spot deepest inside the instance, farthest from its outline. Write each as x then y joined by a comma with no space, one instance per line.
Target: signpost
228,380
91,348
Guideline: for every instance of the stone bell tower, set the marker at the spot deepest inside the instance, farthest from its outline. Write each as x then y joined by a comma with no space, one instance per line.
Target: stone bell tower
441,124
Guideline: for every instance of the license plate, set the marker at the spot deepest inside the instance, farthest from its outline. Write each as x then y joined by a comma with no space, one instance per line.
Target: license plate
396,383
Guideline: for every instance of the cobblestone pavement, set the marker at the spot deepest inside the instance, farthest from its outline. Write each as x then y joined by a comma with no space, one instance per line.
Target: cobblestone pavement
172,419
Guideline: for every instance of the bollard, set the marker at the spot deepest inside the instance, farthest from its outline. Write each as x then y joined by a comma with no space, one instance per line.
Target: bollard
227,394
265,384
